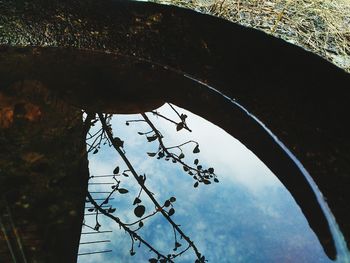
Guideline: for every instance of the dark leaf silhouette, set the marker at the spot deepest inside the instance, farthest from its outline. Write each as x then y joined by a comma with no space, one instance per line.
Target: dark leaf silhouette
96,151
179,126
142,179
137,201
151,154
183,117
167,203
171,211
122,191
196,149
206,182
139,210
172,199
153,260
91,209
216,180
211,170
118,142
97,226
196,161
111,210
116,170
140,224
181,156
152,138
196,184
185,168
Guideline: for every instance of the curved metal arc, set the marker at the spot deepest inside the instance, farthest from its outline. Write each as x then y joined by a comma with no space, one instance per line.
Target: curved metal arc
343,254
211,49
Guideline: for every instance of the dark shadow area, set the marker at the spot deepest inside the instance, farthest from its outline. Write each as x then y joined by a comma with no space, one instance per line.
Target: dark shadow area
131,57
43,175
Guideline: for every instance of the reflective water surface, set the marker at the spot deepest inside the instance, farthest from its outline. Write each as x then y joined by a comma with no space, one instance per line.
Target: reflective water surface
248,216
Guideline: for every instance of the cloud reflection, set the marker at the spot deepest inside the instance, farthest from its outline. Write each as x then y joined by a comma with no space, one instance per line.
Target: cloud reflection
248,217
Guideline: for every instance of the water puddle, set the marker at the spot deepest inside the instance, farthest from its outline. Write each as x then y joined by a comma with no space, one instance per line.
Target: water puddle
244,214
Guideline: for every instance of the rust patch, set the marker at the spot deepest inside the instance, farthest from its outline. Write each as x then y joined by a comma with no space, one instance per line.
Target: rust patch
6,117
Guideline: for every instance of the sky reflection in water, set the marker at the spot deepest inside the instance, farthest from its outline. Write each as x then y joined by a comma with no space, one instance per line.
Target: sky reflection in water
247,217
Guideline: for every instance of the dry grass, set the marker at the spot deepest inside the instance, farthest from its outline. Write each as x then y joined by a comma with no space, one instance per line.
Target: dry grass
321,26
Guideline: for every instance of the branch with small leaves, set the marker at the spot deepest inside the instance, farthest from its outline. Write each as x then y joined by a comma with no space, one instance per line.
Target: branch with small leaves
133,235
196,171
100,208
139,210
95,140
105,135
179,125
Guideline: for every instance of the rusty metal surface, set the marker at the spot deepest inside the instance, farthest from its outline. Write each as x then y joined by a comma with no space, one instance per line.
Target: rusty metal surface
43,176
302,98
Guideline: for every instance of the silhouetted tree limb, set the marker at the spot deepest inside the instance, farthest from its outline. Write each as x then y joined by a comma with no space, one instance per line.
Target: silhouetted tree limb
178,124
116,142
181,116
199,174
105,135
133,234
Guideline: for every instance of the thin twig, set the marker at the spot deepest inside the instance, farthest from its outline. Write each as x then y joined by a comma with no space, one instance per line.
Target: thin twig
128,230
142,219
170,120
165,149
145,189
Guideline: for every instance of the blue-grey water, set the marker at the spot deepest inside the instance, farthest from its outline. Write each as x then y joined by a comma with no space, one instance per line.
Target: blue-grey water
247,217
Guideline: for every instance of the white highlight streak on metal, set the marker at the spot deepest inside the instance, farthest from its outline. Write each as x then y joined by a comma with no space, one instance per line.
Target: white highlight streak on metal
343,254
